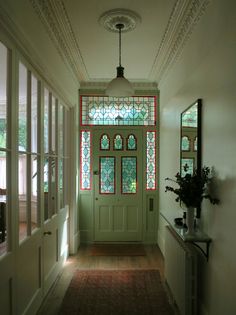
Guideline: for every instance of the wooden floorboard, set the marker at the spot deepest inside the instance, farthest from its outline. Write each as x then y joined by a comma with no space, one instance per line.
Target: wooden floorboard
83,260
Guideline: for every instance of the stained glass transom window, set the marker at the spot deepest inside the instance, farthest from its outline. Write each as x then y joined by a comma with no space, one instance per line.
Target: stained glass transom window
118,142
107,175
105,142
189,117
131,142
151,161
185,145
85,153
131,111
187,166
129,175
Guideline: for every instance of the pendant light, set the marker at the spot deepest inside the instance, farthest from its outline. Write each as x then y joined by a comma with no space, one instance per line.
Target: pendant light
120,86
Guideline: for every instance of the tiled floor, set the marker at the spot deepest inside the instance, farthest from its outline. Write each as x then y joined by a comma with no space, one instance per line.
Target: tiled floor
83,260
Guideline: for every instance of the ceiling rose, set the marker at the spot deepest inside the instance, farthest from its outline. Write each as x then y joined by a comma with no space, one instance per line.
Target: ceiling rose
111,18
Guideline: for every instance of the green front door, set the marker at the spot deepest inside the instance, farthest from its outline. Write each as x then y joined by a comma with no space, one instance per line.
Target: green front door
117,171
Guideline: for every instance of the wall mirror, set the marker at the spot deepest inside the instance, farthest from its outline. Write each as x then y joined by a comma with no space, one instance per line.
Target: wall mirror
190,143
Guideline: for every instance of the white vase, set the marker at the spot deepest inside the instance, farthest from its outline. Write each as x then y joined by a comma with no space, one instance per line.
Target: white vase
190,220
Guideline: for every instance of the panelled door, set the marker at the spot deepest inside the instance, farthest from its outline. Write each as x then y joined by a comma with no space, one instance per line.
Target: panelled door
117,172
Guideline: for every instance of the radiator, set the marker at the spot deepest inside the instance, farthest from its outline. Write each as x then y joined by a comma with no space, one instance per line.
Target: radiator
181,272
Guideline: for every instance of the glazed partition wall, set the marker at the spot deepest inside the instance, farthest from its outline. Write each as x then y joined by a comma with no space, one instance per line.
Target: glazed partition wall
33,213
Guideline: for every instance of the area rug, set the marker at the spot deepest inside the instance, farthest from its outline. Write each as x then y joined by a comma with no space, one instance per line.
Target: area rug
113,292
117,250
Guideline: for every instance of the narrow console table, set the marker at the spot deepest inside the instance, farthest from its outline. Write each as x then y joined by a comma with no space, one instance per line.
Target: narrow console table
197,238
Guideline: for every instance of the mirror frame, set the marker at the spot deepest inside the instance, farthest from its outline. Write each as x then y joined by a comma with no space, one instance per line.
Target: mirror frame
198,163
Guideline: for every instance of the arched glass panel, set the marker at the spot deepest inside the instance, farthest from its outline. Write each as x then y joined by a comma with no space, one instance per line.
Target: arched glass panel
118,142
131,142
105,142
195,144
185,145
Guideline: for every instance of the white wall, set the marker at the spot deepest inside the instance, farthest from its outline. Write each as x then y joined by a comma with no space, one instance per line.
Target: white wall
206,69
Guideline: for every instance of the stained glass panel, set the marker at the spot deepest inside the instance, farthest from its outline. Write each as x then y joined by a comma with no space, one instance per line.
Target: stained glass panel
85,152
128,175
151,161
187,166
105,142
189,118
131,142
107,175
195,144
118,142
131,111
185,144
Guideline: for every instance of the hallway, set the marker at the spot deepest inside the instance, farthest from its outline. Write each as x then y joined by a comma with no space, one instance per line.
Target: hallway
83,260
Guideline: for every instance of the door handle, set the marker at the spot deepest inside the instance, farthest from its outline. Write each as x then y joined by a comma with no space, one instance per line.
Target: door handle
47,233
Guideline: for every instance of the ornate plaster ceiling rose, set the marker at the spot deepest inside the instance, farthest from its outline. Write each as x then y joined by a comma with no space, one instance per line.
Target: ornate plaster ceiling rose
111,18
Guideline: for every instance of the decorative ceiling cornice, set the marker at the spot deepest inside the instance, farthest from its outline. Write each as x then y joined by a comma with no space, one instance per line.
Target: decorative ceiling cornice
103,85
54,17
184,17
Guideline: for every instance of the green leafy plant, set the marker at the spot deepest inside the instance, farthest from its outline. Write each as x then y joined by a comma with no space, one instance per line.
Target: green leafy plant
192,188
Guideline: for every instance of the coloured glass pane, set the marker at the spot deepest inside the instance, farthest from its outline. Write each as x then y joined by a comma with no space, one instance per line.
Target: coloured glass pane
129,175
132,111
189,117
105,142
131,143
187,166
118,142
195,144
107,175
185,145
151,161
85,151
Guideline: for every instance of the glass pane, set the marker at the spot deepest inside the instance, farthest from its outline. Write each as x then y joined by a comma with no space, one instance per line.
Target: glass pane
105,142
107,175
61,130
185,144
46,120
129,175
53,185
131,142
34,114
34,192
53,149
61,182
195,144
132,111
22,131
151,161
22,195
85,151
118,142
187,166
3,204
189,118
45,187
3,96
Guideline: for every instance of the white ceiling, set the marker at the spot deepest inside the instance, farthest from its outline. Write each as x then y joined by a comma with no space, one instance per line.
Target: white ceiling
99,47
65,43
